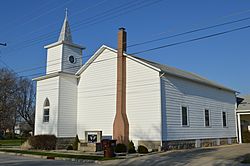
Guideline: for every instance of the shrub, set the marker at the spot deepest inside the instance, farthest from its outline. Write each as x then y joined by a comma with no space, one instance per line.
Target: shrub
131,147
25,134
70,147
142,149
10,135
120,148
43,142
75,144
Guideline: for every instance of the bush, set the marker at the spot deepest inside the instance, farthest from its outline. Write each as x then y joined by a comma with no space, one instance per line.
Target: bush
10,135
25,134
43,142
131,147
70,147
75,144
121,148
142,149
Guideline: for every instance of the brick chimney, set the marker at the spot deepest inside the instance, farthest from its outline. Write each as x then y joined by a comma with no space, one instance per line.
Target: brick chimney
121,125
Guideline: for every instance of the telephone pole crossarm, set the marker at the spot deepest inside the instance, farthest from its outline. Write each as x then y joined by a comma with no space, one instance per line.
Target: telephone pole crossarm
3,44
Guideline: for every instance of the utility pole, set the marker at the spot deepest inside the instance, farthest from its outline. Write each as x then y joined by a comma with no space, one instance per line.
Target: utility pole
3,44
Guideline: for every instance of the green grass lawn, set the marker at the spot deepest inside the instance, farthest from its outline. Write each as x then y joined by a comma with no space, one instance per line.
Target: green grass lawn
50,154
11,142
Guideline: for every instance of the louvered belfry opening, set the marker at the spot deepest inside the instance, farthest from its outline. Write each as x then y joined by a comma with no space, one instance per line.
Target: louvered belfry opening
121,125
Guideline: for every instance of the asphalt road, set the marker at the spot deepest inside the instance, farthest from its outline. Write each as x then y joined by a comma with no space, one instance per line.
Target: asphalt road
230,155
11,160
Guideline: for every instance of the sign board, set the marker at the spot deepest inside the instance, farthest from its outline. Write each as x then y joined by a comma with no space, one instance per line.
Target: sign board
93,136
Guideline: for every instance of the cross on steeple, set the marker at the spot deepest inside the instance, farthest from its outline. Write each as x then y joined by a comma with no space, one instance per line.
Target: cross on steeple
65,34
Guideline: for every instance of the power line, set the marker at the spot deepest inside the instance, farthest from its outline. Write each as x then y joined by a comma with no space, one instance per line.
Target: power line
71,67
45,13
192,40
52,34
3,44
90,22
5,64
191,31
164,46
54,23
28,16
220,18
180,34
177,43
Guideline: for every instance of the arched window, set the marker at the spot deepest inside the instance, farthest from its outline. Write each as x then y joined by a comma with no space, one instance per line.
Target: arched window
46,106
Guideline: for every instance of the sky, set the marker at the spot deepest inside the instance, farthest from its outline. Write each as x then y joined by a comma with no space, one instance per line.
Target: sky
28,25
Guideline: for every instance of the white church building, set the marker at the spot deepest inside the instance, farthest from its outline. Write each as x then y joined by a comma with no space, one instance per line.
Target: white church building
153,104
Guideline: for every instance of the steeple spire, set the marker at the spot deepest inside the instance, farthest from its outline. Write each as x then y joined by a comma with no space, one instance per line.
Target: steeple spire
65,34
66,13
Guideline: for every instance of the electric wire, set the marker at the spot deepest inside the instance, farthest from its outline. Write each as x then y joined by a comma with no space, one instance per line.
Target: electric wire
191,31
192,40
174,44
42,38
49,25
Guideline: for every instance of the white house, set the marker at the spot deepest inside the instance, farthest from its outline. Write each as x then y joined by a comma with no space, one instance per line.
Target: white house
162,105
243,119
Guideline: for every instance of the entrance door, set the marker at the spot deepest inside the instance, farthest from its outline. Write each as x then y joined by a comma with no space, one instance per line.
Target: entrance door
245,128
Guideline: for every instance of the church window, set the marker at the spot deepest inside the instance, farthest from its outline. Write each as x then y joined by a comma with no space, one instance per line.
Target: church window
46,108
184,115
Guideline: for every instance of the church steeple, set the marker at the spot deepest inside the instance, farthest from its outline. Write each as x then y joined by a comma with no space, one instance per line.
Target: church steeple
65,34
64,55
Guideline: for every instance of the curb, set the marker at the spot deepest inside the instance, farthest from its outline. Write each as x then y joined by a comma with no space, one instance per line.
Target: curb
53,158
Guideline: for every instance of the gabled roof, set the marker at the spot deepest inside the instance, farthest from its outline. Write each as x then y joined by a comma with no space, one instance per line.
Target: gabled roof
158,67
184,74
96,54
245,104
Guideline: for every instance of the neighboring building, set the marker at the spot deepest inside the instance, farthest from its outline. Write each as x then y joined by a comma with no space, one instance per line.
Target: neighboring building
164,106
243,119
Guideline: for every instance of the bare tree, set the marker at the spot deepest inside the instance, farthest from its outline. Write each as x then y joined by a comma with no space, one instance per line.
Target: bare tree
8,88
26,101
17,100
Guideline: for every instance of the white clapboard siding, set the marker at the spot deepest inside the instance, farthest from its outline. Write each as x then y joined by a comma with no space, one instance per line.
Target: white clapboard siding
67,52
54,60
143,102
47,88
197,97
97,95
67,115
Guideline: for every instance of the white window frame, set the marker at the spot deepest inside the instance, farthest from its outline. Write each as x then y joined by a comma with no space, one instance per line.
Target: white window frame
187,116
226,119
45,108
209,116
